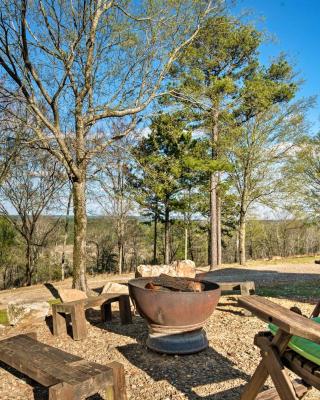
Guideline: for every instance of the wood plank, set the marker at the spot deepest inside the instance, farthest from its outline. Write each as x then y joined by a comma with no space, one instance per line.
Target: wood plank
61,391
288,321
106,312
125,310
78,320
247,288
58,321
94,301
226,286
69,377
316,311
119,383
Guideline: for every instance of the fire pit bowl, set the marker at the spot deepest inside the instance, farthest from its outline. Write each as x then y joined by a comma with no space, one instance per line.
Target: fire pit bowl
175,319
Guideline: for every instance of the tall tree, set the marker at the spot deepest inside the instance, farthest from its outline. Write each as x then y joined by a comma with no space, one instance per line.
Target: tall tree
75,64
210,73
163,161
258,152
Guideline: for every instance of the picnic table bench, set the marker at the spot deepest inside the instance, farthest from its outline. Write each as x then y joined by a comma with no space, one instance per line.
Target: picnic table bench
77,311
67,376
277,355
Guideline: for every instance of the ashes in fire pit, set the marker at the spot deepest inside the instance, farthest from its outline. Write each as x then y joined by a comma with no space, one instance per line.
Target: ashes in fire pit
175,310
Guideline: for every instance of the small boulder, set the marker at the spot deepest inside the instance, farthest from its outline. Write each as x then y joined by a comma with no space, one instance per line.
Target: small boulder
143,271
183,269
112,287
67,295
27,313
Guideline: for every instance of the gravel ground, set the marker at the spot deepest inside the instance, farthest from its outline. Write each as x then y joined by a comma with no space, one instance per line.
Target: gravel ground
217,373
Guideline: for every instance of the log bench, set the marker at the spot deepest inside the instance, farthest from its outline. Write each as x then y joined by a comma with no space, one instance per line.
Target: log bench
77,311
67,376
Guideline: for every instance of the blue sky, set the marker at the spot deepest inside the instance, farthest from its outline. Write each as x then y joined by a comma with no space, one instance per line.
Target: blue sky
295,25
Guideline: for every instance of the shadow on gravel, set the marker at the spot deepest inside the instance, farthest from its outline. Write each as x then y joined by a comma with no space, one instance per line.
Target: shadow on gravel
232,302
271,283
186,373
138,330
260,277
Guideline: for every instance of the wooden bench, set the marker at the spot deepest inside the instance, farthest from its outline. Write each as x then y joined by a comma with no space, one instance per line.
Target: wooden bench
245,288
77,311
67,376
276,355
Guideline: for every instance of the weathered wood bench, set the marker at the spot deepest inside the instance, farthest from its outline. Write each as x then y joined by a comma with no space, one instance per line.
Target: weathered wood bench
67,376
276,355
245,288
77,311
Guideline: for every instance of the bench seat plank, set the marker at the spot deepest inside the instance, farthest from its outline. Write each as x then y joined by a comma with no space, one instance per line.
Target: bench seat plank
93,301
48,365
288,321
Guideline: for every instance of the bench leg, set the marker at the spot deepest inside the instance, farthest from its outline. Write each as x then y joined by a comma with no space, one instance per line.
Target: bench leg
106,312
118,390
61,391
261,374
78,319
125,310
59,322
247,289
279,375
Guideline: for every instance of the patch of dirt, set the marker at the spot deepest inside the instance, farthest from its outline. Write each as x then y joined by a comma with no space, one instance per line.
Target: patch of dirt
218,373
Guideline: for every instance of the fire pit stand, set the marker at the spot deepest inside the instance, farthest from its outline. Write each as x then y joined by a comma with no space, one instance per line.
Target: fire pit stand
175,319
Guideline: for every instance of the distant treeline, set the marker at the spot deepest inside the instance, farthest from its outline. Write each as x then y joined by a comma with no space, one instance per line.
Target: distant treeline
265,240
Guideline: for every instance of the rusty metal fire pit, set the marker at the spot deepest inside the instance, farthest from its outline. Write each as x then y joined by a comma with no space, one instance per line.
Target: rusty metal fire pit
175,319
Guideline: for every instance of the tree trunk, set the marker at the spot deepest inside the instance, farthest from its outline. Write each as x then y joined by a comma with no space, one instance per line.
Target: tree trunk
80,231
120,255
214,180
186,243
209,246
219,247
66,226
167,236
242,239
155,238
29,266
213,222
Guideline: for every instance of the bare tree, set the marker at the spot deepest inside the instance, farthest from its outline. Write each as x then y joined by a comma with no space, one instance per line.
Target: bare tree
78,63
29,190
257,154
115,199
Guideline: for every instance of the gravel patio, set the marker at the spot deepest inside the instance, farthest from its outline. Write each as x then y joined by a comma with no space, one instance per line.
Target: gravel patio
217,373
